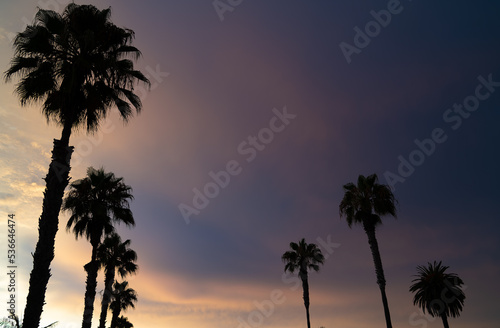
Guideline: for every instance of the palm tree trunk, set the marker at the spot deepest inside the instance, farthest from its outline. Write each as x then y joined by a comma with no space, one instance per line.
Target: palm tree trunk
114,317
108,289
445,320
48,224
305,288
91,284
379,271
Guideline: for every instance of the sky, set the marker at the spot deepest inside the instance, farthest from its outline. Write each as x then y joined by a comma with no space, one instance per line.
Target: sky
258,113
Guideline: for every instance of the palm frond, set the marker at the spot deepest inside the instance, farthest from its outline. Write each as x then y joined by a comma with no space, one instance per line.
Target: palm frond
88,56
96,203
302,256
437,292
365,202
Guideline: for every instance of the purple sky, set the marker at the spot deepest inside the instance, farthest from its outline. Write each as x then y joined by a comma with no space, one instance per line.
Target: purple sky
219,91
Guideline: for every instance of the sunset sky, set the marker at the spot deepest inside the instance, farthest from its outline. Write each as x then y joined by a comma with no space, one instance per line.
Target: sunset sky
295,99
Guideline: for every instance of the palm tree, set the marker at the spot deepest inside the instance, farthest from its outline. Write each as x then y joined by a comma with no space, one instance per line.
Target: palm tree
122,322
302,257
77,65
364,204
95,203
114,255
123,298
438,292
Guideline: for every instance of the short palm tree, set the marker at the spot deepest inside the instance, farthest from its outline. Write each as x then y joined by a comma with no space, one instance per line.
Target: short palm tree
77,65
115,256
364,204
96,203
301,258
122,322
123,298
438,292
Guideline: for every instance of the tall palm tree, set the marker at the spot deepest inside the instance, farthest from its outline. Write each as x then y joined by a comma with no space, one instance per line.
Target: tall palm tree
123,298
114,255
96,203
438,292
302,257
364,204
76,64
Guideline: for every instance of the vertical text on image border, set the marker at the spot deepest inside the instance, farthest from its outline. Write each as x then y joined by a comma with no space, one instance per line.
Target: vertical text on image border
12,256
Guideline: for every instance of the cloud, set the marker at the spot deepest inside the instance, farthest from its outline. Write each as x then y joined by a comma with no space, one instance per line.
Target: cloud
4,195
6,36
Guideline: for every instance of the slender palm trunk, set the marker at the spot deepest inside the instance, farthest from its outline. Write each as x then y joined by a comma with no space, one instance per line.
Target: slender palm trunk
379,271
305,288
91,284
114,318
445,320
48,224
108,289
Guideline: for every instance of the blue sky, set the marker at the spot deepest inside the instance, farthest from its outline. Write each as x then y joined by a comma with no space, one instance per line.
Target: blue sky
215,84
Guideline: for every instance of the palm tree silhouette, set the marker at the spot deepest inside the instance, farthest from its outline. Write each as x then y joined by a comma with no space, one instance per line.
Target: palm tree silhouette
363,204
302,257
123,298
95,203
122,322
438,292
114,255
77,65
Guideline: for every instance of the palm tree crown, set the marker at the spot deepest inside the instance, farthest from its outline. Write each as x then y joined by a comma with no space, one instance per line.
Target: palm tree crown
96,202
365,202
302,257
76,64
113,254
437,292
123,322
